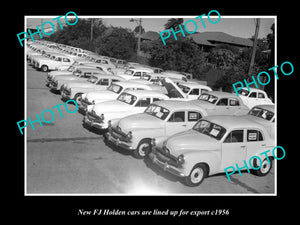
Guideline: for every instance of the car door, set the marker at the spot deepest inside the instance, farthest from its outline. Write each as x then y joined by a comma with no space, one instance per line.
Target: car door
194,94
234,107
141,104
252,99
176,123
255,142
192,118
222,107
102,84
234,149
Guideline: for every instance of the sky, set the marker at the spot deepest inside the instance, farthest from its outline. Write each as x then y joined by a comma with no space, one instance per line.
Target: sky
236,26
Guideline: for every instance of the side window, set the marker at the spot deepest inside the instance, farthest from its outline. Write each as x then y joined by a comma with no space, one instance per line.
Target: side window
254,135
104,62
114,80
100,68
137,74
156,99
235,136
177,117
66,60
143,102
86,75
103,82
193,116
253,95
223,102
58,59
204,91
234,102
261,95
194,92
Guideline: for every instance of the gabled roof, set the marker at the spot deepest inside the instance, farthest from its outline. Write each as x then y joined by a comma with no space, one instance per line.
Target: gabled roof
208,38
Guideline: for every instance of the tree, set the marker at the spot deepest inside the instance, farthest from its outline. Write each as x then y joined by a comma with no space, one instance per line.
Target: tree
116,42
174,23
182,55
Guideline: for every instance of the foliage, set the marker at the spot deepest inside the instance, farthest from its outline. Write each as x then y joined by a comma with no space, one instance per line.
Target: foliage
173,23
181,55
116,42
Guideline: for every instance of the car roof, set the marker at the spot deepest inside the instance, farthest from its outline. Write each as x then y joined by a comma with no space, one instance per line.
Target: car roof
177,105
107,76
130,84
221,94
146,93
91,69
267,107
193,85
253,89
234,122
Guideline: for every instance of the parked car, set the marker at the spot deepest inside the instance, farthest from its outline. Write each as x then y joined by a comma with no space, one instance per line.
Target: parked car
74,90
53,62
213,144
134,73
265,115
184,90
160,119
128,103
221,103
89,99
78,75
254,97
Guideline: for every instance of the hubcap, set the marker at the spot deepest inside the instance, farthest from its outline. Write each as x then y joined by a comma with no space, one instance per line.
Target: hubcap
197,175
265,167
143,148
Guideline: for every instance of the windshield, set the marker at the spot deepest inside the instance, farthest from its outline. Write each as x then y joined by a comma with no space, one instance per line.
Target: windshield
129,72
115,88
210,129
185,89
92,79
261,113
157,111
243,92
127,98
208,98
77,72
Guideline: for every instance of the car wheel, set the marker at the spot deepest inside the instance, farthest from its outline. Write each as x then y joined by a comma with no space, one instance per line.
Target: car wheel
143,149
77,97
197,175
44,68
264,169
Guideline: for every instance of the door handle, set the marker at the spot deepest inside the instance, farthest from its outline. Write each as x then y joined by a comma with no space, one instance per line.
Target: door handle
184,125
263,145
243,146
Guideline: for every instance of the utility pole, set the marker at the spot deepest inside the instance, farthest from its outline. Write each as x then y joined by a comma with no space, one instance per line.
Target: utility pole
257,23
92,24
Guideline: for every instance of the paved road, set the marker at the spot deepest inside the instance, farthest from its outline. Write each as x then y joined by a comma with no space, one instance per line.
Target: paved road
63,157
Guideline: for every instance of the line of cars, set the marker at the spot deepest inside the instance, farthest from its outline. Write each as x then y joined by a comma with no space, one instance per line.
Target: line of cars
181,124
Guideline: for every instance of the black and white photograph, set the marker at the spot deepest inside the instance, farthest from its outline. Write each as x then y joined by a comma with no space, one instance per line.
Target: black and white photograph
132,107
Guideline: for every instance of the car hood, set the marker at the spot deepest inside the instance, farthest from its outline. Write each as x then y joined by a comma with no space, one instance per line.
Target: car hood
140,120
65,77
111,106
105,95
191,140
56,72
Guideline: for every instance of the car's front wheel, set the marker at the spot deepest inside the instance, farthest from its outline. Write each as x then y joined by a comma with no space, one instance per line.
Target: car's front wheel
197,175
143,149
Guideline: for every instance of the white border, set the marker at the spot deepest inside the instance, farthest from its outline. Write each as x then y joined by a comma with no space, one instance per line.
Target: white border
159,195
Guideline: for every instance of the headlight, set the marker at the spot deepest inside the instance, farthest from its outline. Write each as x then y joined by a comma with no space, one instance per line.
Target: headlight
102,116
153,142
180,159
129,135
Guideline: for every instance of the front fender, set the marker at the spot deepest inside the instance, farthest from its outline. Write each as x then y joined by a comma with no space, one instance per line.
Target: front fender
211,157
140,134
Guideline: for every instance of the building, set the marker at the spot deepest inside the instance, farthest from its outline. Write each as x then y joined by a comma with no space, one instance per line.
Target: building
209,40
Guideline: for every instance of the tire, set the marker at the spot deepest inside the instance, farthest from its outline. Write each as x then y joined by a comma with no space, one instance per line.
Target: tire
77,96
44,68
264,169
197,175
143,149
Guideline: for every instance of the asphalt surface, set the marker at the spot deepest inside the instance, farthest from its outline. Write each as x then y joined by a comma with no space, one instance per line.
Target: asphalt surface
63,157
